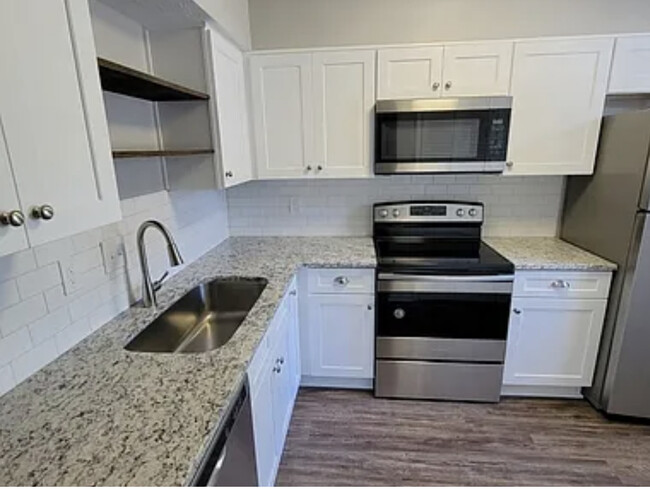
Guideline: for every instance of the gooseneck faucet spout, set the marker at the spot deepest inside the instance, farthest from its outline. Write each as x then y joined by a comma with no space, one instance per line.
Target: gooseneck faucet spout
149,287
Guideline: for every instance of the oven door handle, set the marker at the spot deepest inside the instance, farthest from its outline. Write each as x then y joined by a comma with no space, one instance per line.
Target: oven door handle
446,278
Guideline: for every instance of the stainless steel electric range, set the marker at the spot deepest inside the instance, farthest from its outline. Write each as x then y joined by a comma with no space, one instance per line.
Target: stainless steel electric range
443,301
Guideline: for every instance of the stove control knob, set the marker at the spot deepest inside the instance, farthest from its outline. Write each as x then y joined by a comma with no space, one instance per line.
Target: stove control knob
383,213
396,212
460,212
399,313
472,212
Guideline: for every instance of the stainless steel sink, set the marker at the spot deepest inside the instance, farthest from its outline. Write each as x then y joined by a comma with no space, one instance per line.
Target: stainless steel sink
203,319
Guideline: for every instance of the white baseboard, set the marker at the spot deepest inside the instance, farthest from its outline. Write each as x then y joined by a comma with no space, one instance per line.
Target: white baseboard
541,391
336,382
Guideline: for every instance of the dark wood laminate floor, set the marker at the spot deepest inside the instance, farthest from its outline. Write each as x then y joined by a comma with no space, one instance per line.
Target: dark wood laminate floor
346,438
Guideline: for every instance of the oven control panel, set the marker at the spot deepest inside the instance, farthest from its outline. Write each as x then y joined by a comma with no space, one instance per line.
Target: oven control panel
429,212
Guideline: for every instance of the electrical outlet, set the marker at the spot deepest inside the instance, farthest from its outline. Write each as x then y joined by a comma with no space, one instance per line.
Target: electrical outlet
113,253
69,277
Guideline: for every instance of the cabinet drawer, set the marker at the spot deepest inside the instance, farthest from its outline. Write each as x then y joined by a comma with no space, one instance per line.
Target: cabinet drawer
562,284
340,280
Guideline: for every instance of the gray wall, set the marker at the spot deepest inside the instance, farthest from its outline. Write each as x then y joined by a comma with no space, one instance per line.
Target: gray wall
311,23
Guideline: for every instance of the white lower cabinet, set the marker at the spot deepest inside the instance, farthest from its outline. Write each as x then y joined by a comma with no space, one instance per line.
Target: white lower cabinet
553,342
274,376
337,328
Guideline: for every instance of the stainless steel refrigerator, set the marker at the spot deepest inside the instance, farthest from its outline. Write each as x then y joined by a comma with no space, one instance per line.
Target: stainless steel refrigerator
608,214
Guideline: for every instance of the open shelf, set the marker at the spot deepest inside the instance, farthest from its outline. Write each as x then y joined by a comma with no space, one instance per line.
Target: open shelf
152,153
121,79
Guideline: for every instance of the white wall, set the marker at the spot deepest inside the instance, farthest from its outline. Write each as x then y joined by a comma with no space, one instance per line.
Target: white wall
515,206
311,23
44,312
232,16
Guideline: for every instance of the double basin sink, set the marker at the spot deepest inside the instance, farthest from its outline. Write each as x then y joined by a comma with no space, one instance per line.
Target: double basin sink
203,319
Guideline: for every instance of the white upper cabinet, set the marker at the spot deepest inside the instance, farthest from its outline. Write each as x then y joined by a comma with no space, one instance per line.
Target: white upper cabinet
631,65
229,96
477,69
558,89
53,118
312,113
409,72
473,69
344,96
282,114
12,236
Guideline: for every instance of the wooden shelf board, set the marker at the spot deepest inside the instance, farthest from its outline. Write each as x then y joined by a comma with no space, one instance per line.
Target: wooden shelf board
121,79
152,153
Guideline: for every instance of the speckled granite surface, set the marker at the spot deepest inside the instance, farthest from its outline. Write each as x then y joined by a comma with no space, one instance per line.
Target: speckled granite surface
100,415
547,254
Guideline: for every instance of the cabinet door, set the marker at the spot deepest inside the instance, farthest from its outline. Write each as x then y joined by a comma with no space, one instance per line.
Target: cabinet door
553,342
53,116
12,239
631,65
231,110
477,69
264,427
558,90
344,96
341,334
409,72
282,114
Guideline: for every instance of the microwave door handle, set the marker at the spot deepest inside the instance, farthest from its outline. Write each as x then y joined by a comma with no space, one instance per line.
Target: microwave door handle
447,278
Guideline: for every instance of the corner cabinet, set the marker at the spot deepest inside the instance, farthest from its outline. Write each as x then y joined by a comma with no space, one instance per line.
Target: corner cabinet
230,109
274,377
55,148
312,113
631,66
558,89
555,326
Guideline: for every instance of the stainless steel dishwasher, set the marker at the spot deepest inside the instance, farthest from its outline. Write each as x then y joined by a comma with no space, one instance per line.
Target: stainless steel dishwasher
230,459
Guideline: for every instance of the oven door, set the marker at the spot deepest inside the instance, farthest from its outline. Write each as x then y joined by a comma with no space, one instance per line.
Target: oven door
435,138
447,318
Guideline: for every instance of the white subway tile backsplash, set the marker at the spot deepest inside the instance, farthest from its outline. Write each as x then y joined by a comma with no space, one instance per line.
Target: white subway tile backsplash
41,317
14,345
8,294
17,264
514,205
39,280
15,317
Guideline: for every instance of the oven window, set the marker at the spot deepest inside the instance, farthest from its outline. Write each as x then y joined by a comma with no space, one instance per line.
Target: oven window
475,316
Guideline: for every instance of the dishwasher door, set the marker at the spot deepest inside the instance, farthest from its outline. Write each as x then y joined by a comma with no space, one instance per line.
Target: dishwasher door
231,458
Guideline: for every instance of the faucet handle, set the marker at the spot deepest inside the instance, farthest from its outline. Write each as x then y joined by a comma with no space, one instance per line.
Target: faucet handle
158,283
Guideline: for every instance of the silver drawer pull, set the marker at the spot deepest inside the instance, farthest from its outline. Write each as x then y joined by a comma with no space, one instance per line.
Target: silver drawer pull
343,281
560,284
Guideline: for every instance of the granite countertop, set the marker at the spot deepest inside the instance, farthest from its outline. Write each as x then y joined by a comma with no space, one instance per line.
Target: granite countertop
100,415
548,254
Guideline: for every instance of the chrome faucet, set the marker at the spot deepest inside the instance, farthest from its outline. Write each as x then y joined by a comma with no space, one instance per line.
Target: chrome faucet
149,288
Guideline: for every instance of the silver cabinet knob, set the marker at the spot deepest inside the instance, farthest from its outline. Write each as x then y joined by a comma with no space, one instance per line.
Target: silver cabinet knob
12,218
308,168
45,212
319,168
293,292
560,284
341,280
435,86
280,361
447,85
509,164
277,370
516,311
229,174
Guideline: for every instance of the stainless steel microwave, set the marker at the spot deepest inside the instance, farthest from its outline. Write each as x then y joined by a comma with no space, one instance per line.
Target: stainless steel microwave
461,135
